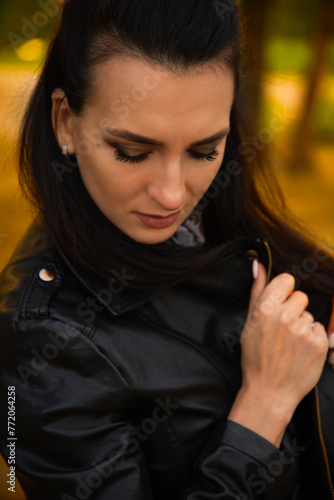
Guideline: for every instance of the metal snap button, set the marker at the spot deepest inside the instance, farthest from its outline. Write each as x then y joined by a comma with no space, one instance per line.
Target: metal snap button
46,275
252,255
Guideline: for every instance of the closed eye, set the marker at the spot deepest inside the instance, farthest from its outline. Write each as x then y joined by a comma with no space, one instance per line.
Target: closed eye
121,156
206,157
125,158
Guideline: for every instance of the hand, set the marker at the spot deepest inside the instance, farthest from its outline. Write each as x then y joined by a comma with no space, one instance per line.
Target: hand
282,356
281,351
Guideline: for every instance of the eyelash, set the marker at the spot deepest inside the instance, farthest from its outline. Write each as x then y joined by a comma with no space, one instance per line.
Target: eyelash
120,156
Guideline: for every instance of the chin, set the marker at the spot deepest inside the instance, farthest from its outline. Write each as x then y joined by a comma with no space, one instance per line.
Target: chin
154,239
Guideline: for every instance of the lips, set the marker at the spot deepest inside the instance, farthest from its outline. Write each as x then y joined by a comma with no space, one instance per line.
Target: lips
156,221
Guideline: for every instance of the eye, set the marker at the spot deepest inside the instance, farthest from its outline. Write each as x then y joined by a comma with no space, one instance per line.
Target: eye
125,158
121,156
206,157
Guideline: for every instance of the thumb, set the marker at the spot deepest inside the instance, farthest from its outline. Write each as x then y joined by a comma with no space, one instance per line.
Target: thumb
258,285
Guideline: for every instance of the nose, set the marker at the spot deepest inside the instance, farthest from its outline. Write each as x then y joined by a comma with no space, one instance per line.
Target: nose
167,186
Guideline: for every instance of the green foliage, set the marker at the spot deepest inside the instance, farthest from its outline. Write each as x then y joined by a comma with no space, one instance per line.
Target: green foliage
23,20
292,55
323,120
284,55
293,19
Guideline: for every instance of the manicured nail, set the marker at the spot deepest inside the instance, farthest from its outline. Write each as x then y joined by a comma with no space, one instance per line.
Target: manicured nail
331,358
255,268
331,340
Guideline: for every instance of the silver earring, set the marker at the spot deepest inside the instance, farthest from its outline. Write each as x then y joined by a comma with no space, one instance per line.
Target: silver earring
64,150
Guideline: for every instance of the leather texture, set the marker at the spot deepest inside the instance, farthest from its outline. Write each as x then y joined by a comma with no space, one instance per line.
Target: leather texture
124,394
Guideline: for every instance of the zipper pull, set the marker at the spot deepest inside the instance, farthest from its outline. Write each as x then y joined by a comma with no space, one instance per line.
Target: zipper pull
270,260
254,256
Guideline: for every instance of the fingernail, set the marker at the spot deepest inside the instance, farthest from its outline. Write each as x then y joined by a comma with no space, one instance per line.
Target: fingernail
255,268
331,340
331,358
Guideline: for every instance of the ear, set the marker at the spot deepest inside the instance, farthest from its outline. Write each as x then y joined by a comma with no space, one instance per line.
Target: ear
62,120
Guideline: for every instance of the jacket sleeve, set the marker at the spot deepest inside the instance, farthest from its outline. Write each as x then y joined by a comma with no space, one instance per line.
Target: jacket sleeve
241,465
74,437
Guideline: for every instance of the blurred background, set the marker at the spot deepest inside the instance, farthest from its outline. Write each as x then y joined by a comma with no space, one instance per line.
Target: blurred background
290,88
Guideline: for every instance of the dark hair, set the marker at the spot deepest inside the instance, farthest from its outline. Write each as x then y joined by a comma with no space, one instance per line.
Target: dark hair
179,36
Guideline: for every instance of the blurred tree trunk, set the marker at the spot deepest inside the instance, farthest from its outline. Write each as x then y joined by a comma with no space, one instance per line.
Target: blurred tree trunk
254,15
302,141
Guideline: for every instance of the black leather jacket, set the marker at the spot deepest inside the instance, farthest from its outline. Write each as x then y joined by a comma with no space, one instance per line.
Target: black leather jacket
123,394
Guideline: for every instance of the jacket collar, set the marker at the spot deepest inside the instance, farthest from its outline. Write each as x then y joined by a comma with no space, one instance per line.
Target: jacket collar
116,296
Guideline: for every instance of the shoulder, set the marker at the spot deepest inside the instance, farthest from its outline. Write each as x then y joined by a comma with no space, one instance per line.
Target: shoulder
53,314
45,341
38,284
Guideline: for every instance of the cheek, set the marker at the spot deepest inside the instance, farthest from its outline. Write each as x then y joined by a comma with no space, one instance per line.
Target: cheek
204,177
106,178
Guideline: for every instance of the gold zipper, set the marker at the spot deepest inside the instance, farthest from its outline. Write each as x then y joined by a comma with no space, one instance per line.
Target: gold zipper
270,260
322,442
316,392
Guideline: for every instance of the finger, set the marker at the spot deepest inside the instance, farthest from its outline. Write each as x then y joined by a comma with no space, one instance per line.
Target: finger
278,291
314,332
294,308
308,315
258,285
331,340
302,326
318,331
330,358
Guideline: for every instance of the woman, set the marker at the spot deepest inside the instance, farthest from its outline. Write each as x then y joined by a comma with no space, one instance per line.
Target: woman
147,356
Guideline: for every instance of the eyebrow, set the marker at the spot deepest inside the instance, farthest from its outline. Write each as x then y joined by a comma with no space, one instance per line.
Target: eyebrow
141,139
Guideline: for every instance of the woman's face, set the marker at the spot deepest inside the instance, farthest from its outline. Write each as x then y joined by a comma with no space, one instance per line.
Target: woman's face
149,143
